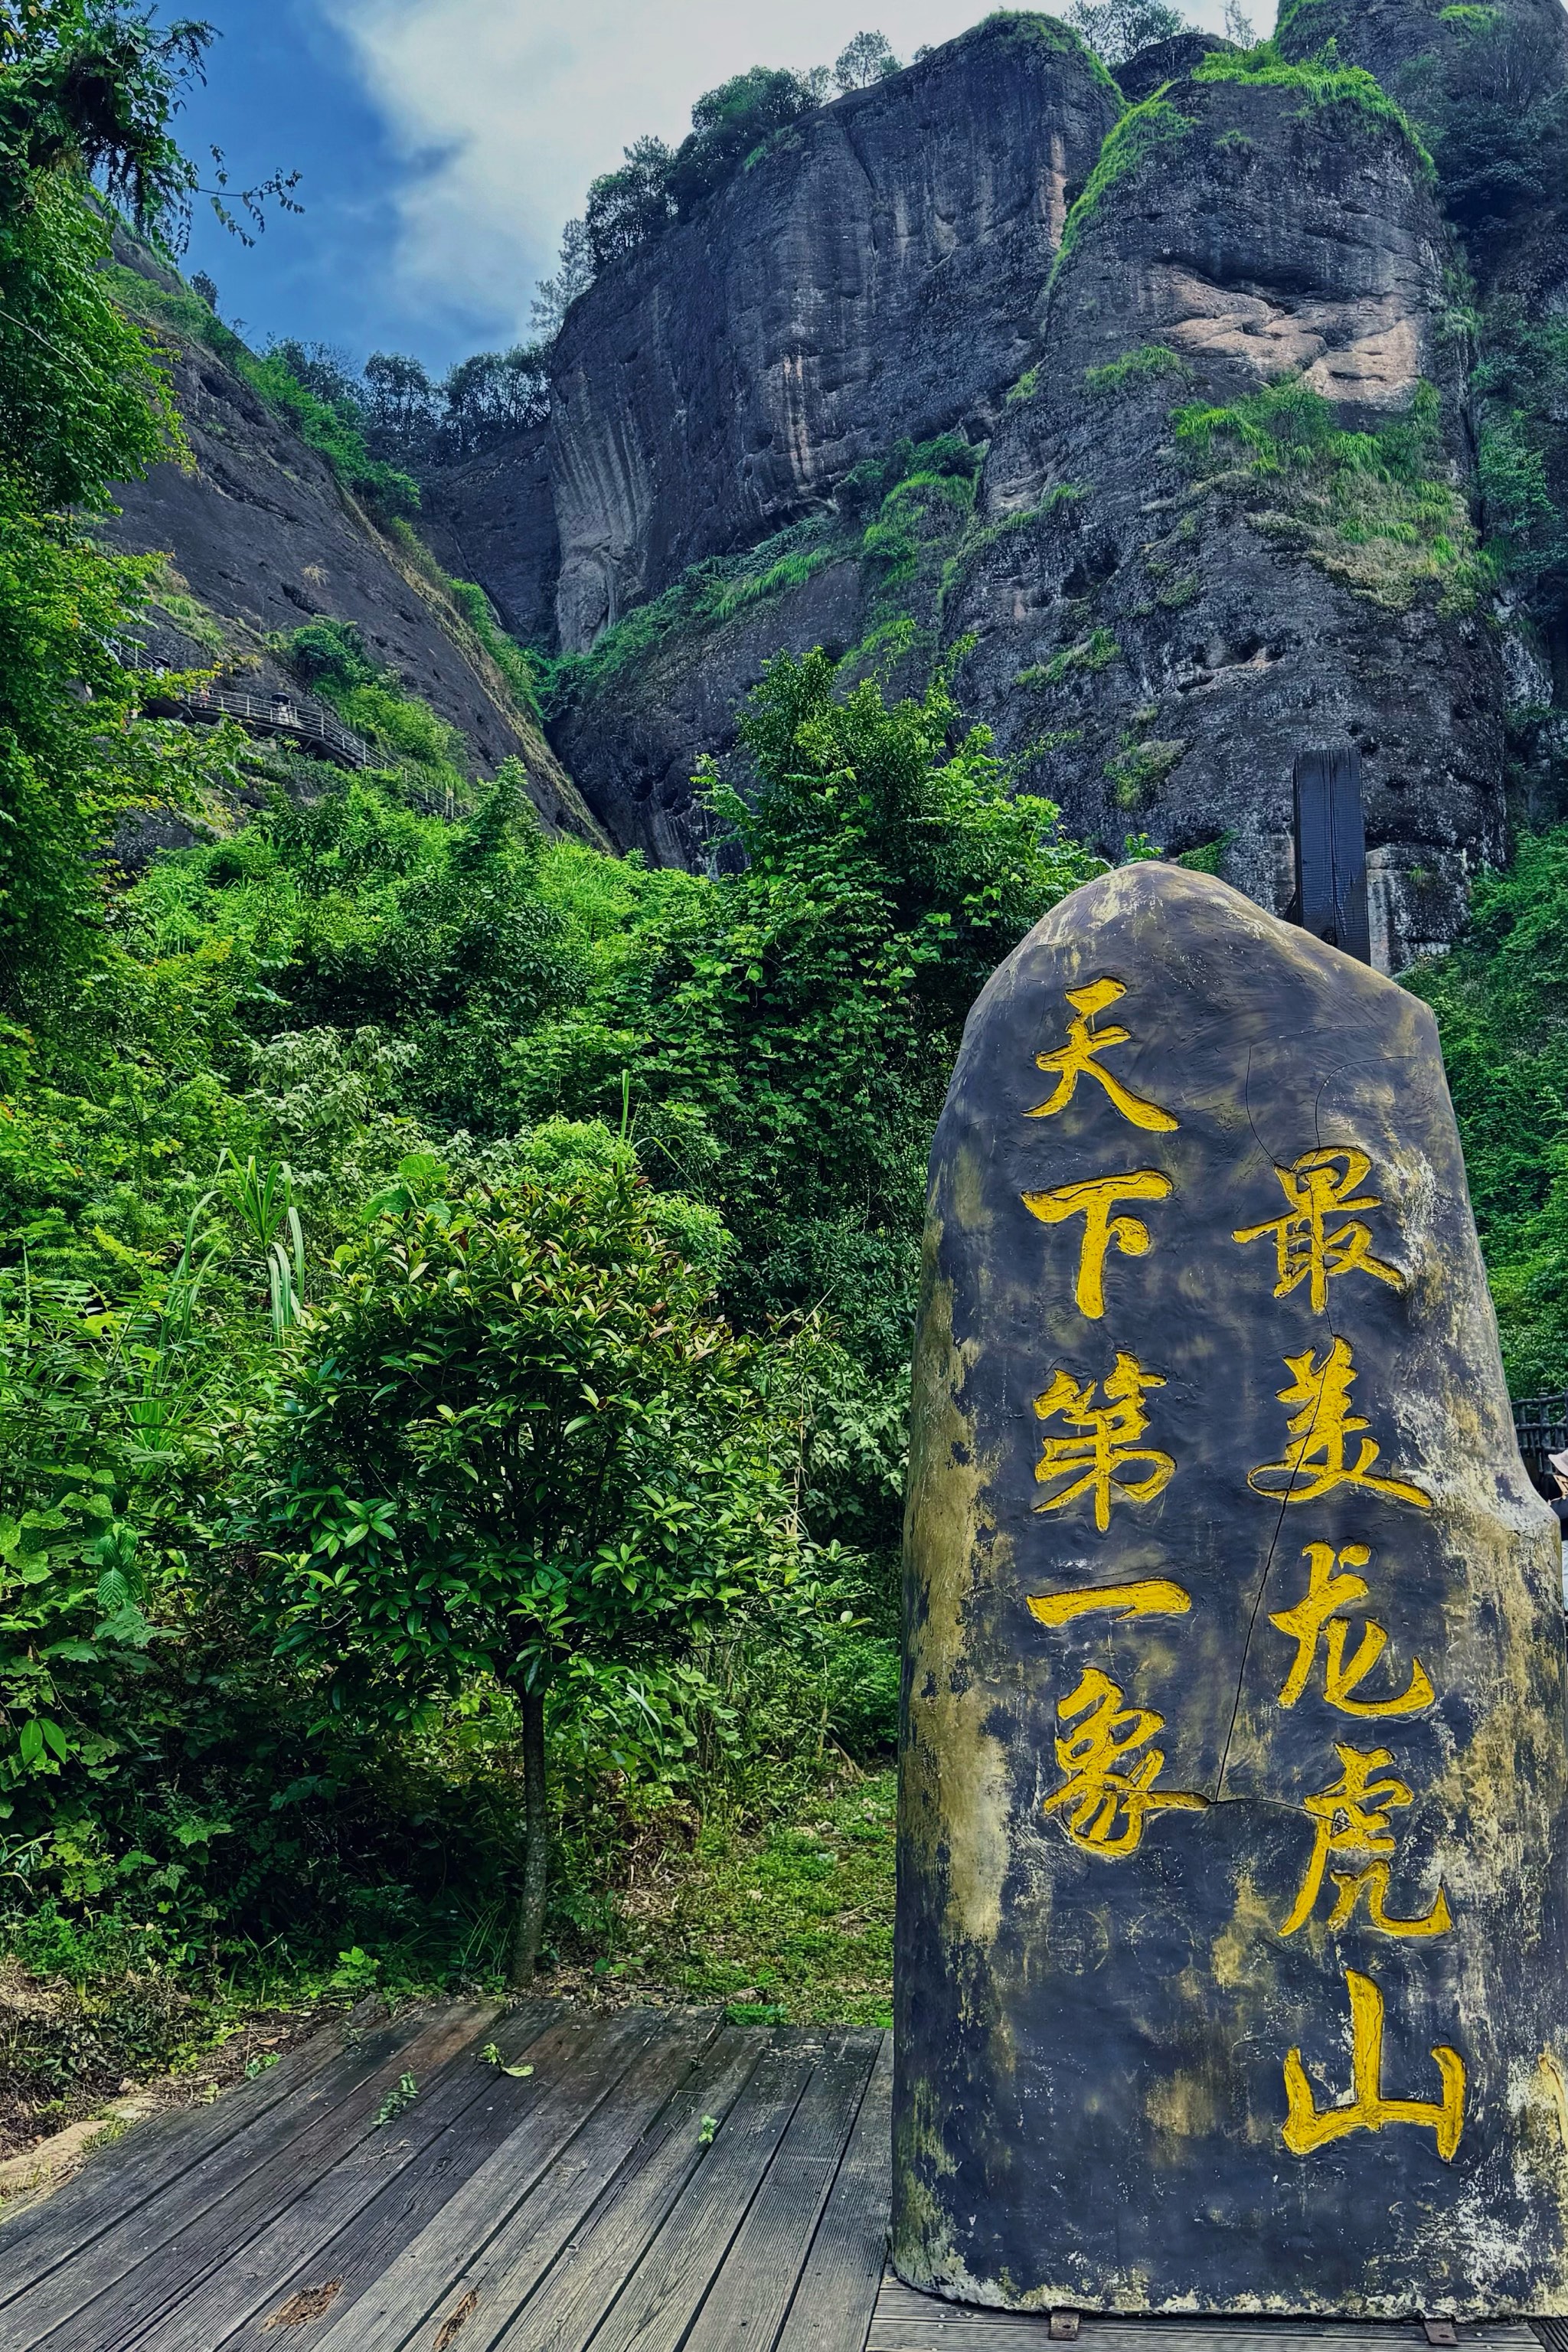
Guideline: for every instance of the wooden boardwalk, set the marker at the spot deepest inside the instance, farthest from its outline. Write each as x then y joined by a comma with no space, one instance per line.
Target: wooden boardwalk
655,2181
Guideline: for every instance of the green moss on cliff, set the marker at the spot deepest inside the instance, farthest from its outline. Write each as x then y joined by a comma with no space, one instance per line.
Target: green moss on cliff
1370,508
1326,85
1139,135
1029,29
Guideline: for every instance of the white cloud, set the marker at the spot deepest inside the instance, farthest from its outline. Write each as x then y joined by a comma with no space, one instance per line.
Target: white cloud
504,109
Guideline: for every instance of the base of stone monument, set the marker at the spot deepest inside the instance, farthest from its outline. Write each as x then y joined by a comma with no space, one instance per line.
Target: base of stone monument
908,2321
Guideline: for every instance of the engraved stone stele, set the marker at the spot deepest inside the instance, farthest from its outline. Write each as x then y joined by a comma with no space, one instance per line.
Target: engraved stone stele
1231,1968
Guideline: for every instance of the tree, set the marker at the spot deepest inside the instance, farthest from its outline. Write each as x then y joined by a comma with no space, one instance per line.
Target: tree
867,58
627,207
1117,29
494,393
519,1446
732,124
553,297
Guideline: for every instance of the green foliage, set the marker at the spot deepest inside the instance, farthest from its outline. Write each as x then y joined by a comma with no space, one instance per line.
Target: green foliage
1501,1000
1094,653
1141,134
1117,29
1137,769
1208,858
1029,29
1351,96
1149,362
894,510
517,1438
1372,509
84,398
331,429
1521,390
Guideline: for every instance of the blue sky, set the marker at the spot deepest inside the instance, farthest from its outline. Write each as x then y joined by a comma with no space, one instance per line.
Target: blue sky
443,143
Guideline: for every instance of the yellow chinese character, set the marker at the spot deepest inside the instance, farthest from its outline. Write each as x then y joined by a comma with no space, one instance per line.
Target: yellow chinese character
1352,1826
1308,1246
1153,1596
1368,2110
1093,1199
1316,1614
1093,1462
1076,1059
1105,1802
1315,1464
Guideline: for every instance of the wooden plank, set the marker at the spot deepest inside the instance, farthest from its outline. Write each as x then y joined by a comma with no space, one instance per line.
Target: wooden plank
583,2285
664,2294
103,2296
417,2282
755,2283
292,2250
121,2176
838,2292
491,2285
375,2236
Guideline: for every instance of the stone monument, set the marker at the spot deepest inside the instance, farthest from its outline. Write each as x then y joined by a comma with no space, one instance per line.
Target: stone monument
1231,1963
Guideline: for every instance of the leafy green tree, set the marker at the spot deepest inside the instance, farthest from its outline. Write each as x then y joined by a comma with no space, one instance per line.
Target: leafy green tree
518,1443
1117,29
867,58
1501,1000
626,208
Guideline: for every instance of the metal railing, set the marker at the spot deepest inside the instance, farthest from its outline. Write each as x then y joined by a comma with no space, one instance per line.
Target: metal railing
297,715
1541,1425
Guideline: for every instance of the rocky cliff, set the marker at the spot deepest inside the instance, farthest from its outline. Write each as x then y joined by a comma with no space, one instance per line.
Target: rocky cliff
261,536
1233,519
1155,412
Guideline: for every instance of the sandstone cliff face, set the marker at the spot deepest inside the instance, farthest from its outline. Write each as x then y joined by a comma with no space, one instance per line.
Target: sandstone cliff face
877,275
494,519
1163,619
259,533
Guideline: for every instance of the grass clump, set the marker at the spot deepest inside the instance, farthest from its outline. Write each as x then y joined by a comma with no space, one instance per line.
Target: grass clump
1094,653
1136,772
1369,509
789,1923
1149,362
1208,858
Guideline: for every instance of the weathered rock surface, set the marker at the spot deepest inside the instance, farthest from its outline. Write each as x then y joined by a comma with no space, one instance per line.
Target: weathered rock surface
1165,61
878,274
1390,36
1231,1880
632,744
259,533
1159,631
492,520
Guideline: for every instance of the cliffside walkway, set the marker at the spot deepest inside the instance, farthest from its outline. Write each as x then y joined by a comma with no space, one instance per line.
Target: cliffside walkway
300,717
552,2180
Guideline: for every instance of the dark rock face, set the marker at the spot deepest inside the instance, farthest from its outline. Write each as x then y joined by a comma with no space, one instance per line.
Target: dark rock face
1165,61
494,519
1231,1877
633,746
1159,630
259,533
877,275
1388,37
